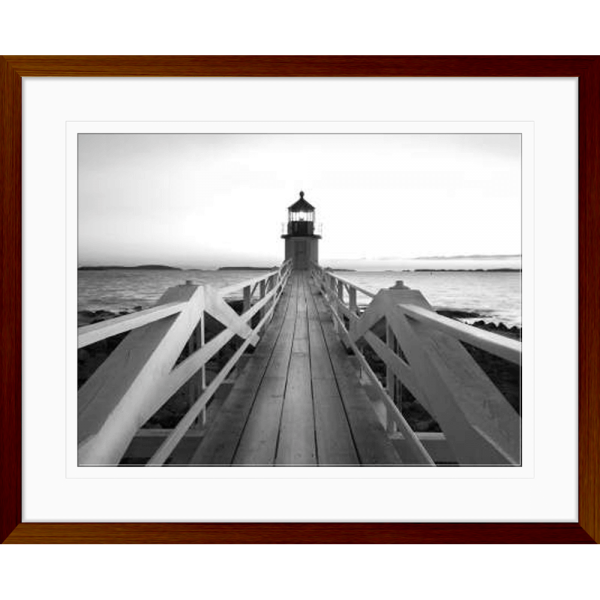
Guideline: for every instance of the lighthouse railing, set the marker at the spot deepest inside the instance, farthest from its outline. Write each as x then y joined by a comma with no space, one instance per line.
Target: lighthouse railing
425,353
165,348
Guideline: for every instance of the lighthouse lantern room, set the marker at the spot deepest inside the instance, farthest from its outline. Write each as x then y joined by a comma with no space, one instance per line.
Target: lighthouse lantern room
301,242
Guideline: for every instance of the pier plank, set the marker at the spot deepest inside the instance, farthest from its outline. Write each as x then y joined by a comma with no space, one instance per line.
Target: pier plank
332,430
371,441
222,438
297,434
258,443
298,401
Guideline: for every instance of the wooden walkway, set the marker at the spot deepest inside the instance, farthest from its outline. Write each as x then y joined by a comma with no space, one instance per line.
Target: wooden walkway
298,400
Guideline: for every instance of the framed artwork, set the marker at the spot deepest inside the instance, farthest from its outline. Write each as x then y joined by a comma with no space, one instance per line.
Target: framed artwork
301,250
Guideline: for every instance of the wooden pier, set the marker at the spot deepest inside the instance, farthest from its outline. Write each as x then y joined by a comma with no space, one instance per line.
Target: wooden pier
307,395
298,400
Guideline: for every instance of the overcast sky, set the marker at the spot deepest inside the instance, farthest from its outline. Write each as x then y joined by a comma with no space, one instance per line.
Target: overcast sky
209,200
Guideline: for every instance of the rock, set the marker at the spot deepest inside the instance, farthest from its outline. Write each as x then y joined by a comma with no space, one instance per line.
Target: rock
85,317
457,314
422,426
104,314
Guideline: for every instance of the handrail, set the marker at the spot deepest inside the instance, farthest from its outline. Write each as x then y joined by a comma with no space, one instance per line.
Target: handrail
170,443
140,375
234,287
90,334
423,351
493,343
349,283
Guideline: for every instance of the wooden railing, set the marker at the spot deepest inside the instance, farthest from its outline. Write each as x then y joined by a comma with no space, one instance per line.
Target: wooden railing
423,351
142,373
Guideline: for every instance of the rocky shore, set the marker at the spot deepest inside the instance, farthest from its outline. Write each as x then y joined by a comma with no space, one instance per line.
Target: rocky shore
128,268
506,376
92,356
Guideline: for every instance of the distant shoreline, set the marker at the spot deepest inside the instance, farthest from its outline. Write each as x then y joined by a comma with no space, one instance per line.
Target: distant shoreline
247,268
136,268
500,270
471,257
168,268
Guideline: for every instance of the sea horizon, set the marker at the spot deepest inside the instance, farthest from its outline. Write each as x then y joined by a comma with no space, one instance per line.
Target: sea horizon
462,262
495,296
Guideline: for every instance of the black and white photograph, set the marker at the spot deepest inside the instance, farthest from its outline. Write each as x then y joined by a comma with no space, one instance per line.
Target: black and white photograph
299,299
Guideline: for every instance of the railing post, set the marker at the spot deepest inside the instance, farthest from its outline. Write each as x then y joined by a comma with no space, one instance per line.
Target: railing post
131,380
191,347
329,296
338,294
197,383
390,378
352,300
271,285
247,299
479,424
203,369
393,384
263,292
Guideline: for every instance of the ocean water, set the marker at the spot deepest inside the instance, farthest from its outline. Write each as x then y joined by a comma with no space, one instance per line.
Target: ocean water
125,289
495,296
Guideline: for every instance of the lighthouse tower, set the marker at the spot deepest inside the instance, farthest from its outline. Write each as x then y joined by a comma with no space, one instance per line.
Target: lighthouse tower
301,241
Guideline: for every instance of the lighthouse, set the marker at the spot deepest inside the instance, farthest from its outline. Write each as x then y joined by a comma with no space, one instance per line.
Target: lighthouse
301,241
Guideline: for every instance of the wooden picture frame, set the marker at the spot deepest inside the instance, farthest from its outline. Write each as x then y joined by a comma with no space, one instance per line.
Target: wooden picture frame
585,68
